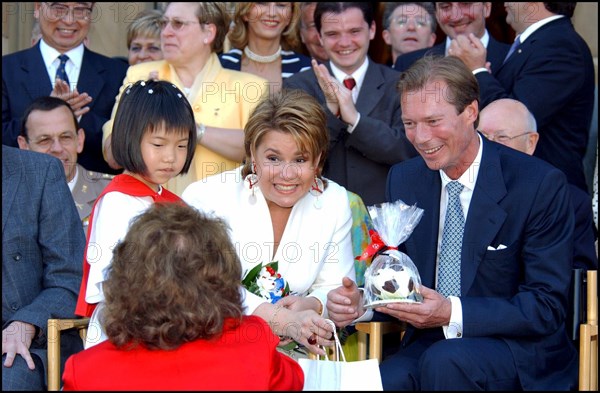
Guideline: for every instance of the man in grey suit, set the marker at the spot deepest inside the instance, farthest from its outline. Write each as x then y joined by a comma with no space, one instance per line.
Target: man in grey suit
50,126
42,254
360,99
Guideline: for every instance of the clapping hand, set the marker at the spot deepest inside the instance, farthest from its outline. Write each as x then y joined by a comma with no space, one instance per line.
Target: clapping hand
337,96
77,101
328,84
470,50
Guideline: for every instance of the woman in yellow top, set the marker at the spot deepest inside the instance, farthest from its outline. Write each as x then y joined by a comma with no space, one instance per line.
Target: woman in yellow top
192,35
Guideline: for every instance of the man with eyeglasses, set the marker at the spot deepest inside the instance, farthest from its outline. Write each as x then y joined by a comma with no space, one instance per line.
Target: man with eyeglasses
60,65
456,19
509,122
408,27
49,126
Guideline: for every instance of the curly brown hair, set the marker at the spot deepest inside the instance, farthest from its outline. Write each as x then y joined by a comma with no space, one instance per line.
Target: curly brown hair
175,278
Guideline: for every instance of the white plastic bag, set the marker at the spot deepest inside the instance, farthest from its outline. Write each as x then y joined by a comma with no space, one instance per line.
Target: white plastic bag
325,374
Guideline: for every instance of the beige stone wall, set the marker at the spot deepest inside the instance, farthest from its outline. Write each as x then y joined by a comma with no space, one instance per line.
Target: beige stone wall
108,30
585,21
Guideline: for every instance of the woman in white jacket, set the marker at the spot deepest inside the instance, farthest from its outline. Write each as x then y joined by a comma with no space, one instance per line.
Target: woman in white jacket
280,209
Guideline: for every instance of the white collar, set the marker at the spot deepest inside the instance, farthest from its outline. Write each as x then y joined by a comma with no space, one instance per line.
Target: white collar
531,29
358,75
469,178
49,54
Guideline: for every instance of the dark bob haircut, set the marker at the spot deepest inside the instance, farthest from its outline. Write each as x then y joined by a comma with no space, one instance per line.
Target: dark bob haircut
147,106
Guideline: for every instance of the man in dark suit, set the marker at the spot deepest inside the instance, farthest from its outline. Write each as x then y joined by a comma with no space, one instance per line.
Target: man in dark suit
552,73
94,80
42,250
503,325
509,122
460,19
366,133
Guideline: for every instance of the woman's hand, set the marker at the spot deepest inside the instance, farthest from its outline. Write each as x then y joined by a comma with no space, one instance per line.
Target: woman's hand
300,303
309,329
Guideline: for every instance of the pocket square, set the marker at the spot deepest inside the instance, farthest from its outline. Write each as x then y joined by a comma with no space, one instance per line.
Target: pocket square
500,247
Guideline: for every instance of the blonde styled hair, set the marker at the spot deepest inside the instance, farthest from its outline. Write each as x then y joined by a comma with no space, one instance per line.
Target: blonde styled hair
238,36
145,24
292,112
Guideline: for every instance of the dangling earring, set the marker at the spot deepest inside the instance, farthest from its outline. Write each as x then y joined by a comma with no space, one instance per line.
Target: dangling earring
252,179
316,189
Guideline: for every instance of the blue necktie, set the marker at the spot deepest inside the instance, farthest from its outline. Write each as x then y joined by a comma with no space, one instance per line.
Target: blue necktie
513,47
61,72
450,253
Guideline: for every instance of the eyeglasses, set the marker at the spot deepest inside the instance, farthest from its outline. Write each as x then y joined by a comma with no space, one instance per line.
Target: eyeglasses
59,11
65,139
402,21
176,24
504,138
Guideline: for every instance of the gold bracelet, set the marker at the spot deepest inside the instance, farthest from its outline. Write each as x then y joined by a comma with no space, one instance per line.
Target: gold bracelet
320,306
272,320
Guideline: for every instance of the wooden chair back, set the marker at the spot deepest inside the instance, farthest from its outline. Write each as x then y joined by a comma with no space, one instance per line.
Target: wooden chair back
55,327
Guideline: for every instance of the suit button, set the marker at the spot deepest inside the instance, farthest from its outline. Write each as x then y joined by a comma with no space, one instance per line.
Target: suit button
14,307
17,257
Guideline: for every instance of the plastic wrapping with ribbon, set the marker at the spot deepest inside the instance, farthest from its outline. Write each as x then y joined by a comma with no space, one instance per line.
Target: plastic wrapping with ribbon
392,276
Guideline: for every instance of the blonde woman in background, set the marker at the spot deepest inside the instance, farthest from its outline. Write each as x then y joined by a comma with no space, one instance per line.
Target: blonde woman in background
191,36
143,37
264,41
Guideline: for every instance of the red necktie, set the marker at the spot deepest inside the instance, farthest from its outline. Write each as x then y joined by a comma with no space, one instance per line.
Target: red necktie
349,83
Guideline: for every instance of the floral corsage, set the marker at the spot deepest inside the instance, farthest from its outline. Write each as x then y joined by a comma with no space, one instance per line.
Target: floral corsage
266,282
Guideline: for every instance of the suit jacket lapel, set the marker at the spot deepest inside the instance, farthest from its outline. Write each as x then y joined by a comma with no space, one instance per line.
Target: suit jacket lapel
370,92
36,80
485,217
90,79
11,177
495,54
422,244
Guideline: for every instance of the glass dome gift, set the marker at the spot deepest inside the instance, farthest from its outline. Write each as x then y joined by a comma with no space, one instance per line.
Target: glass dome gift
392,276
